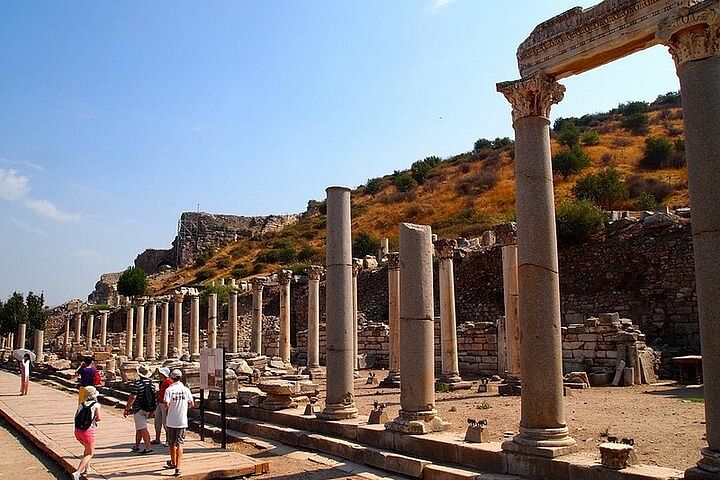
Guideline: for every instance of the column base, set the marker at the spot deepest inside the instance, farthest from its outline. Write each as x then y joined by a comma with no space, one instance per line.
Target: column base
316,371
139,359
417,423
391,381
707,468
451,383
543,442
510,388
340,411
195,357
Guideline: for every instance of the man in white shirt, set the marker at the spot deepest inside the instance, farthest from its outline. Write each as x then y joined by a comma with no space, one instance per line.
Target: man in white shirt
178,399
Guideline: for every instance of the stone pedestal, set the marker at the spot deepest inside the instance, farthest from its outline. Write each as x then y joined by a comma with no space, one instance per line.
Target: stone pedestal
212,320
542,423
89,331
103,328
21,335
232,322
151,331
313,340
256,335
194,344
284,279
393,378
617,456
78,326
129,331
38,348
340,395
164,329
177,325
418,414
140,331
279,394
511,327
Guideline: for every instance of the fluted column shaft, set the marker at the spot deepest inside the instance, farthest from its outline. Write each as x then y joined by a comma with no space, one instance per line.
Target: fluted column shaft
103,328
78,327
394,316
356,267
257,315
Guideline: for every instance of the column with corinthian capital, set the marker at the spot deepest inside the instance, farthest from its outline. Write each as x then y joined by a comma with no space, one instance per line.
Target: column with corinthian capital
178,325
313,338
258,284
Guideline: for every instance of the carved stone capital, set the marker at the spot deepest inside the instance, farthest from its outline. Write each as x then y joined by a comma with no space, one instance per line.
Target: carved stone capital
178,296
532,96
284,277
258,283
393,259
357,265
445,248
315,272
693,34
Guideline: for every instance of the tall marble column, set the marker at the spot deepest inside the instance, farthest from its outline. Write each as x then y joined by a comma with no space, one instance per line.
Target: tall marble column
89,331
38,348
164,328
512,327
151,330
212,320
22,328
418,414
384,248
542,423
448,324
258,284
340,395
140,330
356,267
129,331
103,328
177,324
284,279
66,337
11,340
313,338
393,377
78,326
232,344
194,344
694,42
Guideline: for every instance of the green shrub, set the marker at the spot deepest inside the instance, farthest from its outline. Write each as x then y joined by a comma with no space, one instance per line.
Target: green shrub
678,158
482,144
569,135
590,138
204,256
222,292
660,190
636,123
224,262
404,182
373,186
205,274
277,255
645,201
239,271
570,161
633,108
306,254
298,268
658,153
239,251
420,169
481,182
365,244
578,220
259,267
604,188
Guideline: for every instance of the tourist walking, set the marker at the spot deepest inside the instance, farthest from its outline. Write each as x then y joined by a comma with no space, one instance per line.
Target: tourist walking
88,376
86,418
178,399
25,365
161,409
141,403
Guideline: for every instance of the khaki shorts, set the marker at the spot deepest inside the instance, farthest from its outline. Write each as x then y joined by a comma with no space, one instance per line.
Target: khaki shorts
160,416
140,420
175,436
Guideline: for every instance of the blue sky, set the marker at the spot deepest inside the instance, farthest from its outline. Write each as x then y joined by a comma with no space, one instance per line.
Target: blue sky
117,116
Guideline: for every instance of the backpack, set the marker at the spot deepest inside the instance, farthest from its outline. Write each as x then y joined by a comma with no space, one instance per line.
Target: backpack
97,379
84,417
147,399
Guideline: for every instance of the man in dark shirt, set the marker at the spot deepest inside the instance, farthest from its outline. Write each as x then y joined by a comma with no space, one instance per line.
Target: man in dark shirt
136,404
86,377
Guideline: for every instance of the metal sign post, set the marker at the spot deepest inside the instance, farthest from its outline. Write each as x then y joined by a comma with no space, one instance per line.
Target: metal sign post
223,417
202,414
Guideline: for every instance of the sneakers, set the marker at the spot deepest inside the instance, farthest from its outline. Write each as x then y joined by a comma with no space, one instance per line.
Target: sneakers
168,465
135,449
75,476
155,442
177,472
146,452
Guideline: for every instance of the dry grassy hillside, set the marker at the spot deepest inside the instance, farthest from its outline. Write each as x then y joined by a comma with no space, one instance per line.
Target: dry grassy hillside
460,195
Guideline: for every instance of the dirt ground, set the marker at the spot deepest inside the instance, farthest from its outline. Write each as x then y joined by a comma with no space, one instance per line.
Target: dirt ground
666,421
20,458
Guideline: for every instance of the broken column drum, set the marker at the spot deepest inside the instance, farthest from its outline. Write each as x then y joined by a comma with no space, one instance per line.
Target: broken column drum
284,279
314,273
448,328
257,315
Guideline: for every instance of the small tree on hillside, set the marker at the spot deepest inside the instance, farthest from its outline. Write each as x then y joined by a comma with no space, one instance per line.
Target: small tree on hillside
365,244
569,134
570,161
604,188
577,221
36,310
132,282
404,182
658,153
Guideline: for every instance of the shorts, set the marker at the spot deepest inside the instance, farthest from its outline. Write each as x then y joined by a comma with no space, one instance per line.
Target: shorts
175,436
160,416
140,420
86,437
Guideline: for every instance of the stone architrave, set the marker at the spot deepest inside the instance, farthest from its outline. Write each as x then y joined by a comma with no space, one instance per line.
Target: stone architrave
178,298
89,331
194,343
693,36
38,348
445,249
232,322
314,272
340,395
512,327
357,264
393,378
258,284
103,328
78,326
418,414
140,330
542,425
129,331
284,279
212,320
151,330
164,329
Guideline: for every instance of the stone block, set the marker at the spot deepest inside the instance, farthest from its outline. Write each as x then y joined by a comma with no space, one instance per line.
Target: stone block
572,345
587,337
531,466
334,446
376,436
442,447
486,457
393,462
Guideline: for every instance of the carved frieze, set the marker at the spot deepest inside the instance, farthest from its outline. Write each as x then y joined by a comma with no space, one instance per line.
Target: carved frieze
533,96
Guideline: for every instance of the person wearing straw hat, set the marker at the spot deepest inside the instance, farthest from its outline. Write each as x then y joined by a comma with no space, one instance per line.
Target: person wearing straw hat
141,403
86,418
161,409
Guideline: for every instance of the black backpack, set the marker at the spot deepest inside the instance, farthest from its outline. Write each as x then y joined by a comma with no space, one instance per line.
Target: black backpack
84,417
147,398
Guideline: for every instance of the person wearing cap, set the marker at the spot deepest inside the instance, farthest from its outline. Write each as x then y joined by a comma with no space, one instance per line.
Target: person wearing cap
141,392
87,437
161,409
178,399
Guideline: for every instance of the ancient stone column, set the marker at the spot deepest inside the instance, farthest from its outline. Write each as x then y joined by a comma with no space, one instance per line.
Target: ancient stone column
151,330
78,326
448,325
164,329
178,329
542,422
233,322
384,248
89,331
694,42
194,344
313,338
512,327
393,378
340,395
38,339
66,337
11,340
129,332
257,315
21,335
212,320
284,279
103,328
356,267
417,414
140,331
